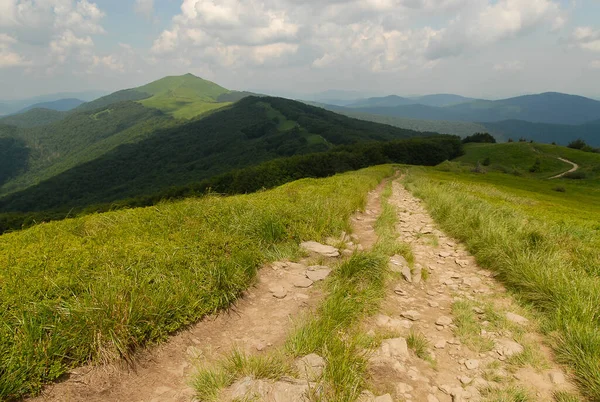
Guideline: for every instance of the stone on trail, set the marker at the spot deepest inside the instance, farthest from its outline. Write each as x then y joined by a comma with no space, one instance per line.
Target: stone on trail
399,291
432,398
397,262
318,274
311,366
396,347
384,398
302,282
472,364
278,291
444,321
318,248
441,344
416,274
517,319
406,274
557,377
508,348
411,315
444,254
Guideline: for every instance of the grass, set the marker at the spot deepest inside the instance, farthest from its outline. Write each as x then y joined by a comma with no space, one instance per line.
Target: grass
96,288
542,244
468,328
208,382
509,393
418,344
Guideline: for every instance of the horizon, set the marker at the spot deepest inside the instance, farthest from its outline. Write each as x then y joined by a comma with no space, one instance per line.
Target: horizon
490,49
60,95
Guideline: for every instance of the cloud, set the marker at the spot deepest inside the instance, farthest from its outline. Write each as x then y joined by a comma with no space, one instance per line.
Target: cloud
511,66
8,58
487,23
595,64
586,38
144,7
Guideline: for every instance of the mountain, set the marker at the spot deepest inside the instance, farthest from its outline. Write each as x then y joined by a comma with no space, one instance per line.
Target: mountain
185,96
61,105
441,100
246,133
385,101
553,108
33,117
16,105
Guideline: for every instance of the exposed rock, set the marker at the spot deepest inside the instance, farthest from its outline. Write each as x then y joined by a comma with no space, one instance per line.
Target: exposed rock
311,366
508,348
517,319
416,273
397,262
472,281
432,398
278,291
395,347
398,325
472,364
406,274
302,282
381,320
441,344
318,248
318,275
411,315
399,291
444,254
283,391
443,321
557,377
465,380
433,304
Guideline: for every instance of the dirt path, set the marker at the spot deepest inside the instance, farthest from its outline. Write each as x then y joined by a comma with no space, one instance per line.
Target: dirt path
573,169
259,322
479,343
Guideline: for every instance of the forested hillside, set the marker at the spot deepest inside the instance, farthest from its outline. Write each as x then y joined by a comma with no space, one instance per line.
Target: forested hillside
251,131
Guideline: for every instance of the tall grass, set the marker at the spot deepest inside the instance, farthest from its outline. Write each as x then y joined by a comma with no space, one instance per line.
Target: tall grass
98,287
535,255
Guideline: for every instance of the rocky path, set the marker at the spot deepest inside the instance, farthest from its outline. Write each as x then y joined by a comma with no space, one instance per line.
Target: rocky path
258,323
573,169
452,332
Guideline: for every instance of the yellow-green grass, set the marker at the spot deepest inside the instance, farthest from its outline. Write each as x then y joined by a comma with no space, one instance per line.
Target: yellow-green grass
95,288
182,107
513,157
542,244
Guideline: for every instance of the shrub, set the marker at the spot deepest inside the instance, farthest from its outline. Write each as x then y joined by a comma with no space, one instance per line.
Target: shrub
577,144
480,137
560,189
487,161
578,175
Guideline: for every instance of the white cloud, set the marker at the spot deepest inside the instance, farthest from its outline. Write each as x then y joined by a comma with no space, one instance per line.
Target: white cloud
586,38
8,58
489,23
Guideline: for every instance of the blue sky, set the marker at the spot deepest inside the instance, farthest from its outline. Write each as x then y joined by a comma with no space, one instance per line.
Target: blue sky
482,48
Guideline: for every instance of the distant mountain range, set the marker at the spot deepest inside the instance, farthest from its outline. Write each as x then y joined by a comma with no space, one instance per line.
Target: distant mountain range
544,117
60,105
8,107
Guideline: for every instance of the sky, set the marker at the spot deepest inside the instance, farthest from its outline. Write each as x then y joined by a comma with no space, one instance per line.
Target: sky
479,48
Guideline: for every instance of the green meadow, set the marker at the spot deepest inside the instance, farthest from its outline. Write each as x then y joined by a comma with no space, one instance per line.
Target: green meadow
541,236
95,288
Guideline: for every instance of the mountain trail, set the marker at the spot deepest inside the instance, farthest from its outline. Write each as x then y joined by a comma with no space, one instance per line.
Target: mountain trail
456,334
257,323
573,169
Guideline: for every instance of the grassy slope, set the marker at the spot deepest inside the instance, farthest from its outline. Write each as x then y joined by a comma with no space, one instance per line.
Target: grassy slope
184,96
97,287
543,244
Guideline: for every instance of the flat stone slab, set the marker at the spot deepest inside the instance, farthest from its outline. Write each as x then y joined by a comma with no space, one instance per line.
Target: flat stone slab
302,282
318,248
318,275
